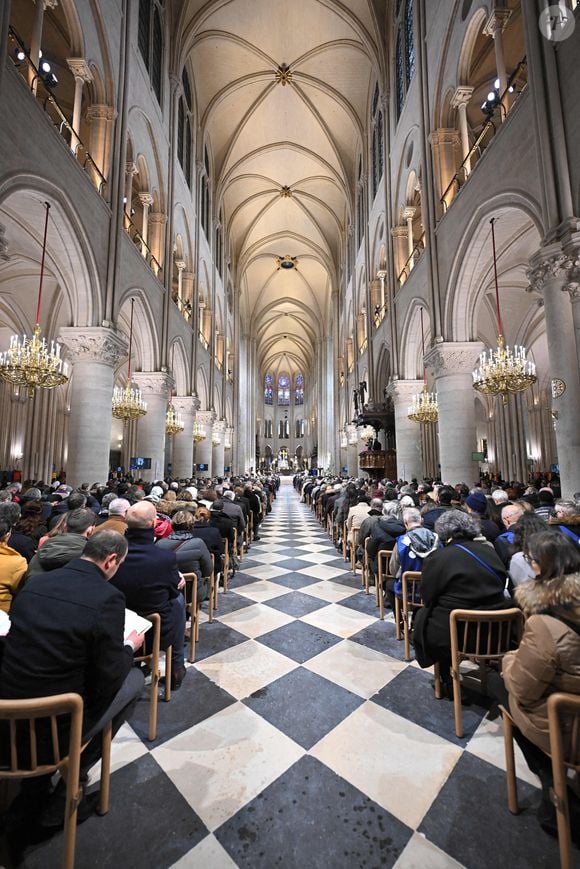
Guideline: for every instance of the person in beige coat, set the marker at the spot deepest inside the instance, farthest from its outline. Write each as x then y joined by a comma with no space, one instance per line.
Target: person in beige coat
13,567
548,657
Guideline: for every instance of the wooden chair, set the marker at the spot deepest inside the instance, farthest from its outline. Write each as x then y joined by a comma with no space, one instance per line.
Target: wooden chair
383,558
192,608
563,757
483,637
151,659
344,541
48,708
240,554
353,547
226,565
366,568
408,603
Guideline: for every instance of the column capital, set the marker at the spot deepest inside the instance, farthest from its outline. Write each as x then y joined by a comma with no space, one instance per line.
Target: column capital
206,417
444,136
453,357
157,217
399,231
219,426
155,382
497,22
187,405
408,212
130,168
461,96
48,4
94,344
402,391
101,112
79,68
547,264
145,199
180,264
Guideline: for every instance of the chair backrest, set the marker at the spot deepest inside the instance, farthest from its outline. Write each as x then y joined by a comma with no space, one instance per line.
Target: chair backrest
411,588
564,725
30,714
383,558
485,634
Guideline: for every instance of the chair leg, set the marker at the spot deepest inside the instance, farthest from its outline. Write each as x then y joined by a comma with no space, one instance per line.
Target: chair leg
197,626
168,668
215,587
397,617
406,632
511,781
226,571
105,770
560,801
70,819
154,697
457,702
194,616
437,676
211,597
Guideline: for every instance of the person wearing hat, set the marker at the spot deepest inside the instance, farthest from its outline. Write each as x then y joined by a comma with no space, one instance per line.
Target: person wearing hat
445,496
476,504
546,507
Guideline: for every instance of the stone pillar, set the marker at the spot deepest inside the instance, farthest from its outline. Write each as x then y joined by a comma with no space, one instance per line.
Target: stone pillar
549,274
130,170
228,442
407,432
218,448
156,233
94,352
400,244
203,450
453,364
156,387
36,40
352,450
100,119
408,215
81,72
494,27
572,286
460,101
187,289
146,201
185,405
446,146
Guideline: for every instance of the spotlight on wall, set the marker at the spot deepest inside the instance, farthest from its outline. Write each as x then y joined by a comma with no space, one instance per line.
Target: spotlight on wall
20,55
45,66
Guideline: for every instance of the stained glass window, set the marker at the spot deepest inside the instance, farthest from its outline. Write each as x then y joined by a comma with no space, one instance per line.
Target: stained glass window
400,76
157,55
186,88
404,51
268,391
299,390
283,390
409,42
143,33
180,130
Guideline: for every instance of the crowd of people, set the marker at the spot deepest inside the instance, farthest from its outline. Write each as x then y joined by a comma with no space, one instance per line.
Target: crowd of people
71,563
482,548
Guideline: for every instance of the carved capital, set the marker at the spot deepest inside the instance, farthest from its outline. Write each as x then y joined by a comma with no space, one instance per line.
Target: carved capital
461,96
145,199
79,68
157,217
205,417
457,357
101,112
408,213
399,232
180,265
3,243
546,266
94,344
130,169
402,391
444,136
155,383
219,426
186,405
497,22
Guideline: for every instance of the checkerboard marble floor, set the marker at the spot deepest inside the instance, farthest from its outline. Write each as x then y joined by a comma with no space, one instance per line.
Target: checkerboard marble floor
301,739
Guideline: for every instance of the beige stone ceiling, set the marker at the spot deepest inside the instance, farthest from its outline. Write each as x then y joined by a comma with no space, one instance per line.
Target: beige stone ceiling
264,136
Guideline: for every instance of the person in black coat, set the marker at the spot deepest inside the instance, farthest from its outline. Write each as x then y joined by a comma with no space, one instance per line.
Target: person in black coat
224,524
150,580
256,509
192,554
466,574
384,533
210,535
67,635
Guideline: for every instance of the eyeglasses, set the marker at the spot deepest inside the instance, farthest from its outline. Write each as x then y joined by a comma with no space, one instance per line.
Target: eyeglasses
529,558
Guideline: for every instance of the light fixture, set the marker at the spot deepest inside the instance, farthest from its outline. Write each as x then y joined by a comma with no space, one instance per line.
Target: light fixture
343,439
366,432
199,432
424,408
286,262
173,421
31,362
20,55
128,403
502,370
215,439
45,66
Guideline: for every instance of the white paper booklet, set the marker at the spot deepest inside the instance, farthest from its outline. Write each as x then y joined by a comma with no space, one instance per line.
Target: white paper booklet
4,623
135,622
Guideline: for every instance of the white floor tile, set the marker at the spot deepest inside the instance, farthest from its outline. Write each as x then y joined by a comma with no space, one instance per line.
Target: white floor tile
245,668
253,621
356,668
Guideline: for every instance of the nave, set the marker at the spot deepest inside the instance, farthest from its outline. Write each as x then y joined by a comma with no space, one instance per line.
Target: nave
300,738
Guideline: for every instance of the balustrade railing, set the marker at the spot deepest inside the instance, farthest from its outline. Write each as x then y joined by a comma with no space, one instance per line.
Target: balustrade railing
412,260
140,243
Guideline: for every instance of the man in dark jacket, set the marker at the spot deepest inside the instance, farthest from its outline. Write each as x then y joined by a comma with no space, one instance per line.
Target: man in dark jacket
224,524
22,543
255,507
476,504
384,534
58,551
445,498
67,635
151,582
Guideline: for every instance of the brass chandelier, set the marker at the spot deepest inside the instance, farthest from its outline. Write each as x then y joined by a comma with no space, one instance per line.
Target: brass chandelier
127,402
424,408
173,421
31,362
199,432
502,370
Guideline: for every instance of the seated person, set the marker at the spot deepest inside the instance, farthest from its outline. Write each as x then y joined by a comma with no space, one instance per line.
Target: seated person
409,552
192,553
548,657
67,635
235,513
22,543
465,574
510,514
58,551
209,534
567,519
384,534
150,580
13,567
224,524
476,503
520,570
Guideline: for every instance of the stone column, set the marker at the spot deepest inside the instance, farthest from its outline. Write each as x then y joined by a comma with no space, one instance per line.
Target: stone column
100,119
494,27
146,201
130,170
228,443
218,448
203,450
460,101
94,352
572,286
156,233
408,215
185,405
407,432
400,244
187,289
446,146
36,40
352,450
549,274
453,364
81,72
156,387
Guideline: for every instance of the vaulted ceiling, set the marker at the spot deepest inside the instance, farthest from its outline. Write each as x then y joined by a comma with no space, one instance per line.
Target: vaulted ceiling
282,89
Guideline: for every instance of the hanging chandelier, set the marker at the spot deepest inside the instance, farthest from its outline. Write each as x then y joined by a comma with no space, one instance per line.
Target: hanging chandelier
228,439
502,370
173,421
127,402
199,432
366,432
343,439
424,408
215,439
31,362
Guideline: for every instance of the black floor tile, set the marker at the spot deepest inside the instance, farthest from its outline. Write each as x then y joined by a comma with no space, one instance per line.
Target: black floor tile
296,604
362,603
293,564
294,580
230,603
411,695
299,641
216,638
349,579
310,817
288,704
380,636
470,820
197,699
150,825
